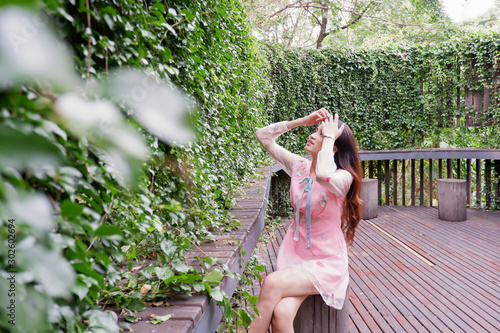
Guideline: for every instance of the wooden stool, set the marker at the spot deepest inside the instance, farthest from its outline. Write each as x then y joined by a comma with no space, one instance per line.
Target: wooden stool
314,316
452,199
369,194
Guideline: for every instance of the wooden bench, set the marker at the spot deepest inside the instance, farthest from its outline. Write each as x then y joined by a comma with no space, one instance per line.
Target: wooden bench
199,313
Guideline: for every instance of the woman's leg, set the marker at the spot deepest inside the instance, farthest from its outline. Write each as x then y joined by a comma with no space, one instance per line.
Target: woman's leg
288,282
284,314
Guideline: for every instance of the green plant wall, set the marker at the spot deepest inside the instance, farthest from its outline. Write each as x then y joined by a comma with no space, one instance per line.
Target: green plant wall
392,98
81,206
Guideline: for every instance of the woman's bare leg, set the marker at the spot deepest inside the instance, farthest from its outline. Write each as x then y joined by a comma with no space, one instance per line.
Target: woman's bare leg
284,314
288,282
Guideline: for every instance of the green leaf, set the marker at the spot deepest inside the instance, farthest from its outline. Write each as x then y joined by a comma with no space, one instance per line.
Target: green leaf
217,294
109,231
260,268
160,319
246,316
214,276
26,150
70,209
102,322
137,306
163,273
253,299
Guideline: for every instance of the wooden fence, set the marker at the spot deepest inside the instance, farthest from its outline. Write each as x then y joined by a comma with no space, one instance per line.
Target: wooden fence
475,106
407,175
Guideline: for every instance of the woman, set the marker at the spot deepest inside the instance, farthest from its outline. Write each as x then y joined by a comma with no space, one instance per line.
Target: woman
325,195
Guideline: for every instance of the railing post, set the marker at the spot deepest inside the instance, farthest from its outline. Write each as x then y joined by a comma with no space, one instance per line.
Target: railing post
387,182
487,178
440,169
478,182
403,169
413,182
395,181
459,169
379,177
421,182
469,181
430,182
497,183
449,167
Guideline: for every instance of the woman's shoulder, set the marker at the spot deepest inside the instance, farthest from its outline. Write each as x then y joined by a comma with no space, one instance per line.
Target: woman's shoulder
344,173
300,166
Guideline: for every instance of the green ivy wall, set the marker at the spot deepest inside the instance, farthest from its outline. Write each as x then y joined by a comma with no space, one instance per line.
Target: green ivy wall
177,195
392,98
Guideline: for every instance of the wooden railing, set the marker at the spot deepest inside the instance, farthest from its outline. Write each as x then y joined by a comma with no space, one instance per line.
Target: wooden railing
408,177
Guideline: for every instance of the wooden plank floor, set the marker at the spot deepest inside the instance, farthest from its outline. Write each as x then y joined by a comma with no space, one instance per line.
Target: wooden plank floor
411,272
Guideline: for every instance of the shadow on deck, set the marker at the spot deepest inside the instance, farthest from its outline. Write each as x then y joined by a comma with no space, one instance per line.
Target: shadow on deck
411,272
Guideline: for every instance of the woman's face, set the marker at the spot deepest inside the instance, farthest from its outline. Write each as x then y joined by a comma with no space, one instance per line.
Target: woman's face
315,142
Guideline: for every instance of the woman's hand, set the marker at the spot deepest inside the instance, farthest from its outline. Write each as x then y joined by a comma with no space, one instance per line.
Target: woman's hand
315,117
331,126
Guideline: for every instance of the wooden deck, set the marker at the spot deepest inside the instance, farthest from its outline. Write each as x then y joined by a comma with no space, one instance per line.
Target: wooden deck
411,272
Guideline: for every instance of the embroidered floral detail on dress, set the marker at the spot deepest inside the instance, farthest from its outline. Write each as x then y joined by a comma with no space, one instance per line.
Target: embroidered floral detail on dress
322,235
323,201
316,219
327,179
320,264
275,129
300,170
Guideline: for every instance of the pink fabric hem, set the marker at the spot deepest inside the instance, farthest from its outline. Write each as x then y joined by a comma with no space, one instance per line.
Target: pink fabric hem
334,302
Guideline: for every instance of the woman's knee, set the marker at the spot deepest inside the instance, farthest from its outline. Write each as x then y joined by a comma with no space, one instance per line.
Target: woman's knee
283,315
271,286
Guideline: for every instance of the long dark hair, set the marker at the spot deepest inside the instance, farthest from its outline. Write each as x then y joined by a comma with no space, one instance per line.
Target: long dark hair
347,158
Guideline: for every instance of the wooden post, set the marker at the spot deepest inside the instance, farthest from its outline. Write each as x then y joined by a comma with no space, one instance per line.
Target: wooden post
486,106
497,182
487,180
387,182
421,182
430,182
449,168
314,316
395,181
468,105
478,107
369,195
403,181
459,169
440,168
452,199
478,182
379,177
469,181
413,182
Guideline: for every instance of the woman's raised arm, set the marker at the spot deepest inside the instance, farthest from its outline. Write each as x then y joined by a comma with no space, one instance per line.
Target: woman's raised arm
267,138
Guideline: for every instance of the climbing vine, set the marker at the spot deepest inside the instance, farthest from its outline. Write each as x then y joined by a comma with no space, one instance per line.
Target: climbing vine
121,146
394,97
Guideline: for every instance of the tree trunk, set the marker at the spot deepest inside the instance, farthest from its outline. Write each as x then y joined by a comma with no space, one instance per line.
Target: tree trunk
322,33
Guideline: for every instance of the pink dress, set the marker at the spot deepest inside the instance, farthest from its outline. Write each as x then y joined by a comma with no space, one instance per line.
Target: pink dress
316,245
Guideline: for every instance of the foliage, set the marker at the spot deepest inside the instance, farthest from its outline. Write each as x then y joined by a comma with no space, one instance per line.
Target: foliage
391,97
355,23
93,171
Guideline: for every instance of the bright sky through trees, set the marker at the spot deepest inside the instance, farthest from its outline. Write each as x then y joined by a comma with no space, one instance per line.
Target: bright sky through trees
463,10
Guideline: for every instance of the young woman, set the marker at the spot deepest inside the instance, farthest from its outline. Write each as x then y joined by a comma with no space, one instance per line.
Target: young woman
325,196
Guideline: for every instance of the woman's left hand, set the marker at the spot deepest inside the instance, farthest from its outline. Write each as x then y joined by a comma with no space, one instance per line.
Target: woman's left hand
331,126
